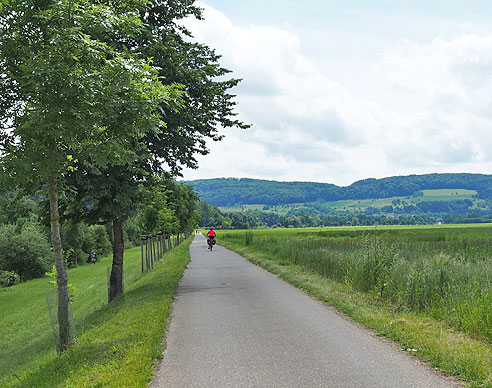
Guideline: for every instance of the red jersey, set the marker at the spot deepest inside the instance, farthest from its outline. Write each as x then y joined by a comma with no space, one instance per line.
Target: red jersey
211,233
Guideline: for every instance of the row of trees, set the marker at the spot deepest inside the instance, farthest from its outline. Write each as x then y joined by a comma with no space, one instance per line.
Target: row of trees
305,217
98,99
437,208
24,227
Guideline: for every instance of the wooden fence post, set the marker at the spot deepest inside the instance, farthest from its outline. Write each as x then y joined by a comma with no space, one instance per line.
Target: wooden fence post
154,237
163,242
147,252
142,239
151,246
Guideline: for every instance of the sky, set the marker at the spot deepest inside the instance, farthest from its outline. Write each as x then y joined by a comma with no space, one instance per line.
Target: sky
342,90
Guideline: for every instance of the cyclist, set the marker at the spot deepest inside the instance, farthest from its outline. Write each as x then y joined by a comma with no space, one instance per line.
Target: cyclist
211,235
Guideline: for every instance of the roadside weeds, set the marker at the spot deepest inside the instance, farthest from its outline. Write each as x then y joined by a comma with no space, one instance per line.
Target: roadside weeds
462,359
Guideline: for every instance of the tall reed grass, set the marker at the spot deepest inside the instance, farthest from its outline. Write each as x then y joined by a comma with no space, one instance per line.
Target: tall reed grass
445,273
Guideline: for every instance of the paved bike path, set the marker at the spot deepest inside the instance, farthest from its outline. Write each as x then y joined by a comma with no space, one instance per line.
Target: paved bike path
235,325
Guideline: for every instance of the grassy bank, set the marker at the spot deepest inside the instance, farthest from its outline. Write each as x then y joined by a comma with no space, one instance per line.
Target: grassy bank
426,288
117,343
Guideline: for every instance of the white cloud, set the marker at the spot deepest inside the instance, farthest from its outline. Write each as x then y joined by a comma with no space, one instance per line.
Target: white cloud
430,108
236,154
450,84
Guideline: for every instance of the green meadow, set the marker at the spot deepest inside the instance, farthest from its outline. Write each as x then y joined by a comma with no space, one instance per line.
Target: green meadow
428,195
362,204
427,287
117,344
280,209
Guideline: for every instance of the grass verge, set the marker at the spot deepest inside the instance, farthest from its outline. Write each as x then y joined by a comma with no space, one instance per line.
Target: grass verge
431,341
117,343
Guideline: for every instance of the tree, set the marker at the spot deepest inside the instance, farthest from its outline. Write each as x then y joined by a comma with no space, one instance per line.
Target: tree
182,199
63,90
155,213
210,215
205,105
107,195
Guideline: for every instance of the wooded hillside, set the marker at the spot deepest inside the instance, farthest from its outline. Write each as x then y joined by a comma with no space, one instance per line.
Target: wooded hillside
233,191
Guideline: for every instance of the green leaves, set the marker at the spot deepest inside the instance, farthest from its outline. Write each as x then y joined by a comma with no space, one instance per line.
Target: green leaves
80,94
74,90
206,105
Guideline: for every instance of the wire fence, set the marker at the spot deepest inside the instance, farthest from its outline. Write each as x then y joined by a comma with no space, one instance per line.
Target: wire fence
153,247
52,300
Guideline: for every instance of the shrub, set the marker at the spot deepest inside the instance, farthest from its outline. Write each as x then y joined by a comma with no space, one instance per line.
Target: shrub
79,239
28,252
100,239
8,278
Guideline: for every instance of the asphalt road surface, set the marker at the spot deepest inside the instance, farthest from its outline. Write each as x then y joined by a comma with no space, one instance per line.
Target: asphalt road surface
235,325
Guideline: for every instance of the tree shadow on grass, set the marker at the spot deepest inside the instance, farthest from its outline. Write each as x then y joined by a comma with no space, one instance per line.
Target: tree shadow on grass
16,358
56,372
109,332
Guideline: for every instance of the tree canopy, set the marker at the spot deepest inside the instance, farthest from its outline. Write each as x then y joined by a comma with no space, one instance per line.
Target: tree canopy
203,105
67,95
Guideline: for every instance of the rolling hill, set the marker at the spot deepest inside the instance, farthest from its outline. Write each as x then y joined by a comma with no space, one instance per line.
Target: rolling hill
232,192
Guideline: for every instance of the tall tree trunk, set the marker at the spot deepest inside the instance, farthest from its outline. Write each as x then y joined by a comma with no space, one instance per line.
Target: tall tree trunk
116,279
66,333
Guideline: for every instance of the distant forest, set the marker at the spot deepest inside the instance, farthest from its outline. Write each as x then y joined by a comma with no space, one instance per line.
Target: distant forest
300,204
232,191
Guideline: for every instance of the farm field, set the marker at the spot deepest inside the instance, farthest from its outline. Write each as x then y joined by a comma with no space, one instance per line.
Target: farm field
412,278
279,209
428,195
128,332
362,204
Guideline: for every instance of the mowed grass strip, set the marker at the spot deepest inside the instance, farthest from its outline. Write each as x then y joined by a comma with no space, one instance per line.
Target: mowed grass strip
117,344
26,337
434,342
